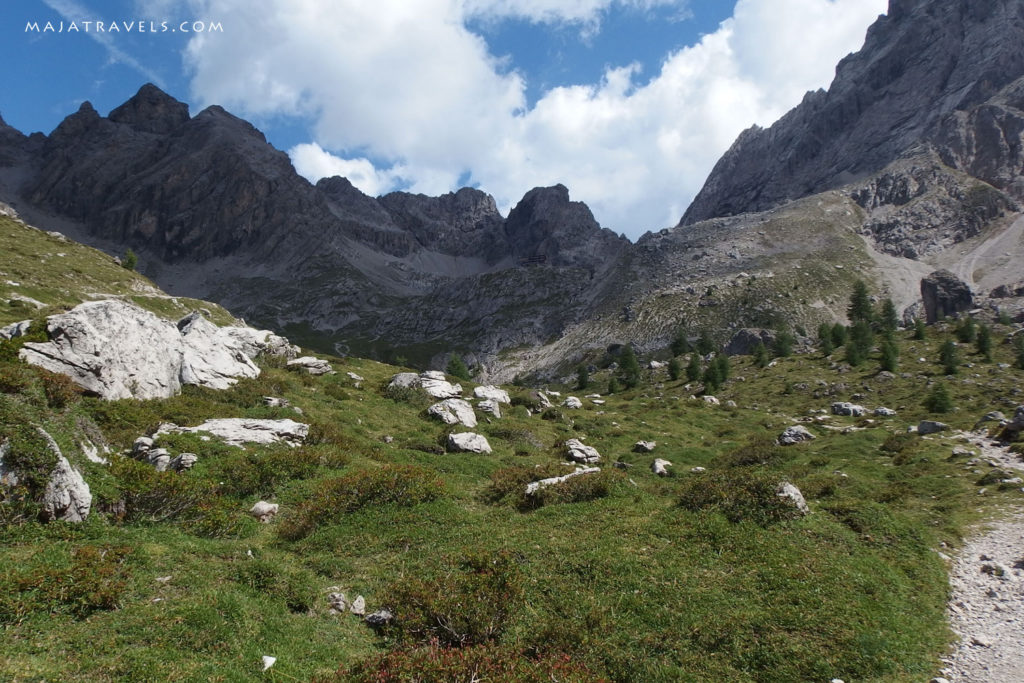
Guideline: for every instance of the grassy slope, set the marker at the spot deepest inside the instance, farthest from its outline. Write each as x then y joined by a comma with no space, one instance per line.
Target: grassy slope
630,584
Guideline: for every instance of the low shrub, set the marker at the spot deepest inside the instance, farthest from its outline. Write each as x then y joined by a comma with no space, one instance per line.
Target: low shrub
480,663
900,443
530,400
244,473
508,485
297,588
151,496
94,578
404,485
29,455
469,605
14,378
60,391
758,450
414,396
739,494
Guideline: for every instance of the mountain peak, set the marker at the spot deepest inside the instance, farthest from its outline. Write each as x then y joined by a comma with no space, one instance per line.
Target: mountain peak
151,110
920,63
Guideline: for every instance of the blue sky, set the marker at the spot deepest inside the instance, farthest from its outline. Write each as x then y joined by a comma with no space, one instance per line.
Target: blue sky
627,102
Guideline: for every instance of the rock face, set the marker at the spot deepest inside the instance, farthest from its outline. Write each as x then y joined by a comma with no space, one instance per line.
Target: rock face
115,350
746,340
944,295
930,71
454,411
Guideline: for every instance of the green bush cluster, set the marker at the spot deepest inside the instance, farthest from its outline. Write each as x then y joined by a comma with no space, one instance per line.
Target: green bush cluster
403,485
469,605
93,578
297,588
436,664
740,494
758,450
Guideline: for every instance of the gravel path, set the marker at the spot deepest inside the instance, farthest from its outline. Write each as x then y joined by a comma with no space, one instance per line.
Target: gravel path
986,609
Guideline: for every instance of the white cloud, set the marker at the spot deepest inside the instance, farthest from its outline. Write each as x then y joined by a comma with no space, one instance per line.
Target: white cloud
407,85
312,162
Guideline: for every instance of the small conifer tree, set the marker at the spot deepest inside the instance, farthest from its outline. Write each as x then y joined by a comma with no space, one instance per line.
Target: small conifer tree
888,320
949,358
938,399
675,370
693,368
680,344
130,260
890,357
839,335
825,342
761,358
984,342
457,368
920,329
630,367
860,309
582,377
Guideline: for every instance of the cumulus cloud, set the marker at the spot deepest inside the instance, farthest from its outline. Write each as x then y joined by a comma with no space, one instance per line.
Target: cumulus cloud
410,87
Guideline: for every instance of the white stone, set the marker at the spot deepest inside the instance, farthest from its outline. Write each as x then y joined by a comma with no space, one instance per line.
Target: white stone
572,403
493,393
490,406
712,400
660,467
468,442
183,461
795,434
698,470
268,661
453,411
644,446
264,511
848,409
312,365
358,606
885,412
656,365
535,486
578,452
792,494
255,343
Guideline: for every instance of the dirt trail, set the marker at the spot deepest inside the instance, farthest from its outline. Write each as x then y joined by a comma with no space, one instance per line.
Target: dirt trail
986,609
995,261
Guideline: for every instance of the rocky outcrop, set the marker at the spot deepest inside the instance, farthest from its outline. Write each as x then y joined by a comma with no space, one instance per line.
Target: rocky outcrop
240,431
945,295
746,340
492,393
846,409
115,349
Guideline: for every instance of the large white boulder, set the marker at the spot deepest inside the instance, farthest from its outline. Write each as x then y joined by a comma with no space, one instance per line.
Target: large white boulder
435,384
572,403
239,431
254,343
15,330
454,411
848,409
468,442
432,382
312,365
492,393
115,349
490,406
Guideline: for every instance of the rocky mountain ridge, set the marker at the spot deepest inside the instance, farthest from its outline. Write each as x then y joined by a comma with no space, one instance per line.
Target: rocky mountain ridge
910,163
